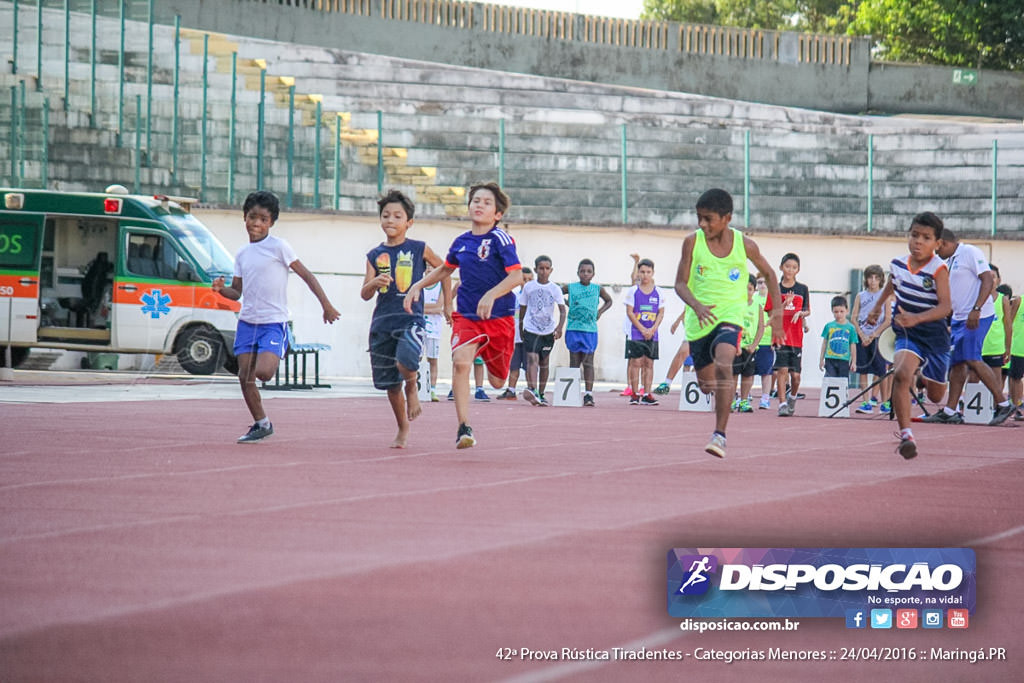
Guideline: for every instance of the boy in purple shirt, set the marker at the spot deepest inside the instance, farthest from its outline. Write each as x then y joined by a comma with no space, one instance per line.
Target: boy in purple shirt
645,308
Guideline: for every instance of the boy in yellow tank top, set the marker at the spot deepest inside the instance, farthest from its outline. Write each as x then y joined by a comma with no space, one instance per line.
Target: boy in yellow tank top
712,281
1016,371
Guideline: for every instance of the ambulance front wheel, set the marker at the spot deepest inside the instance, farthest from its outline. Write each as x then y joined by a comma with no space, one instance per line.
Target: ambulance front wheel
201,351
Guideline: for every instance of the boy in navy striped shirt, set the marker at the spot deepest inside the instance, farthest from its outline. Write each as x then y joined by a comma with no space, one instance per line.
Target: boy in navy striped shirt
920,282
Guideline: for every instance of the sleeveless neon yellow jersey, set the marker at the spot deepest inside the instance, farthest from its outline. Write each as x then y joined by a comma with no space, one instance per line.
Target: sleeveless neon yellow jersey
718,281
1017,343
996,337
766,336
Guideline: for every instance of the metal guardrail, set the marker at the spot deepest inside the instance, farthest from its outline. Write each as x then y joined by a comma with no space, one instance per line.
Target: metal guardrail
317,153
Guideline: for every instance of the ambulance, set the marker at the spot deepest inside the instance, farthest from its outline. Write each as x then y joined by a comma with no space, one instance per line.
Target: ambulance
112,272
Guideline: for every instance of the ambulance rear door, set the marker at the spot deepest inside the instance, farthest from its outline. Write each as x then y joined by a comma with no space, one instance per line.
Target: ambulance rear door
20,240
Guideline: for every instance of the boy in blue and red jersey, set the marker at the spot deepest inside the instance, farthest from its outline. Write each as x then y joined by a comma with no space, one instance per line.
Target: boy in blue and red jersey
484,321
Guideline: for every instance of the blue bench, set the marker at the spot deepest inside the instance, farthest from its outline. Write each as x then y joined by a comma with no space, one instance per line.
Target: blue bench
291,365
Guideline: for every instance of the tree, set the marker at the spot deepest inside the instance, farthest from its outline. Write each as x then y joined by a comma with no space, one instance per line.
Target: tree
684,11
974,33
823,16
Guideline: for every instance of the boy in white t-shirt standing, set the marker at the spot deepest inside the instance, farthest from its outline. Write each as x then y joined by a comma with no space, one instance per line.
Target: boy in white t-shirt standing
261,273
433,313
538,327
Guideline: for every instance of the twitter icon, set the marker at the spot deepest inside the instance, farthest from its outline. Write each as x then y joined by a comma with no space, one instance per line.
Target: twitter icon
881,618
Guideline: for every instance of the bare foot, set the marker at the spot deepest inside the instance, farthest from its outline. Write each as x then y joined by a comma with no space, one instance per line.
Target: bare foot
401,439
412,401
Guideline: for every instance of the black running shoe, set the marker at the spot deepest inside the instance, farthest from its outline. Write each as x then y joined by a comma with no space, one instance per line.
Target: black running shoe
942,417
588,401
256,433
648,400
1001,414
465,438
907,448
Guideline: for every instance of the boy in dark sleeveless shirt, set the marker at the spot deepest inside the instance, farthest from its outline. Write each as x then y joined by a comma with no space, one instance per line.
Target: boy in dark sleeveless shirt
396,336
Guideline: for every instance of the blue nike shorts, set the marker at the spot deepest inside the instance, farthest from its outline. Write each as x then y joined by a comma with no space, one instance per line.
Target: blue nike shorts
967,343
259,338
934,355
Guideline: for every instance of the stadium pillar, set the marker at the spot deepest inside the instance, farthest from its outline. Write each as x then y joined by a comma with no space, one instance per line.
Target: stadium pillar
995,183
202,141
622,164
337,162
67,51
149,82
92,64
14,136
501,153
380,151
291,145
39,45
136,188
746,179
871,181
120,76
14,40
259,128
174,113
231,127
316,154
45,179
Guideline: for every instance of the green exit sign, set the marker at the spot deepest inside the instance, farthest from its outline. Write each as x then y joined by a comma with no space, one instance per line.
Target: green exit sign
965,76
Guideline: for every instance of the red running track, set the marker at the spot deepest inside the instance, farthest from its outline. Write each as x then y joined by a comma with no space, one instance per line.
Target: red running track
138,542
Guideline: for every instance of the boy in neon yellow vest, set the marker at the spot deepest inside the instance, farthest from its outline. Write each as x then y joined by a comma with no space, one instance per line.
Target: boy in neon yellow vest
712,281
1017,355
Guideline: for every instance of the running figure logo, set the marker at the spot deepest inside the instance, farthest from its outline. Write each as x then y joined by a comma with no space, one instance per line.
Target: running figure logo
696,581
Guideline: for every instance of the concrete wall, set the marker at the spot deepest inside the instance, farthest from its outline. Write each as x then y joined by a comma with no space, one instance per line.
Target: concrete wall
785,75
931,90
334,248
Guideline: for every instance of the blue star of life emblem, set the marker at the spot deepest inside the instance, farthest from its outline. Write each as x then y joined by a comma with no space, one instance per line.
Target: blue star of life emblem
156,303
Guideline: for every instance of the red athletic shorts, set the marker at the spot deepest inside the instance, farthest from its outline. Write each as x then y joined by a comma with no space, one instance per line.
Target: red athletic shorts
496,337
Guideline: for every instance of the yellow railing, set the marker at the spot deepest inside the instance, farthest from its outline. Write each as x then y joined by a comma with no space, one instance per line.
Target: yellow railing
651,35
726,42
626,32
527,22
820,49
362,7
437,12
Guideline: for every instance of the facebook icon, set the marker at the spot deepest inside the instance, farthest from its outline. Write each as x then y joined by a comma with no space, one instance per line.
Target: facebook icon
855,618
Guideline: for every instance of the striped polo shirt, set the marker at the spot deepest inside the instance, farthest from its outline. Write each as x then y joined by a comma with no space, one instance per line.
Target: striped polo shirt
916,293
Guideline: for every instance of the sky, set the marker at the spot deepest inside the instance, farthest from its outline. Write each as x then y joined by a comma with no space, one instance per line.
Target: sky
628,9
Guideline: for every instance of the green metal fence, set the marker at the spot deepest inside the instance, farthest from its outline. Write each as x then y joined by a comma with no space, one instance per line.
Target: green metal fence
186,121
